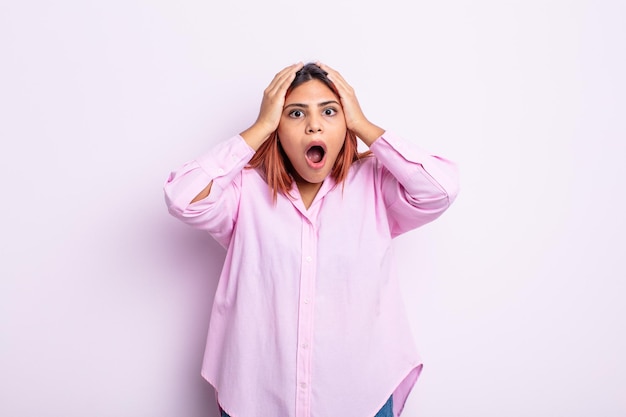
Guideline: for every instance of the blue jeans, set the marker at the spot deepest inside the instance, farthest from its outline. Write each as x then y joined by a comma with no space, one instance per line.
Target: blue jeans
386,411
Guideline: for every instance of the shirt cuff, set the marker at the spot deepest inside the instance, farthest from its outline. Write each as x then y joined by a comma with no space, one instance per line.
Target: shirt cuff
226,157
389,142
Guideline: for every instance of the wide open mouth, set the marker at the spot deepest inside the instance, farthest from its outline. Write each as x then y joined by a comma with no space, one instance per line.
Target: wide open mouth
315,153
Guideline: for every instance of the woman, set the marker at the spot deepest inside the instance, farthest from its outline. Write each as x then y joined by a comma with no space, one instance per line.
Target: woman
308,317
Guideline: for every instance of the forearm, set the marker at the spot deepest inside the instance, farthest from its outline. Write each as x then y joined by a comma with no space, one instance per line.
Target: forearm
426,178
368,132
197,179
255,135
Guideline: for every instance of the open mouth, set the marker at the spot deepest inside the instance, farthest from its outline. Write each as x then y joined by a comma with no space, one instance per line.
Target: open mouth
315,153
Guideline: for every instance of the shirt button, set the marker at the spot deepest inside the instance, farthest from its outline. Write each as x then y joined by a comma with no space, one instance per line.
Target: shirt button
302,385
309,259
306,301
304,346
220,171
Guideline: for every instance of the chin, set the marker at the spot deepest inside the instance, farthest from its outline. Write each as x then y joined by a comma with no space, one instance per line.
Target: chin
314,178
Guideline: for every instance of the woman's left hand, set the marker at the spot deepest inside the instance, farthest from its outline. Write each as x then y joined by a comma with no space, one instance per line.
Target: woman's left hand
355,119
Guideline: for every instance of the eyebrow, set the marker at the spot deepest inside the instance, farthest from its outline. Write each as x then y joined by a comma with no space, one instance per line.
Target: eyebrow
306,106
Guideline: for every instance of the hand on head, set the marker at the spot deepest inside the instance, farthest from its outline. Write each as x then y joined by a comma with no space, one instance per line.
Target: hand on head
274,100
271,107
355,119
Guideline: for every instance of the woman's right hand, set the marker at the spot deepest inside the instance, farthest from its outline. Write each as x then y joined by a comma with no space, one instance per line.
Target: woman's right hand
271,107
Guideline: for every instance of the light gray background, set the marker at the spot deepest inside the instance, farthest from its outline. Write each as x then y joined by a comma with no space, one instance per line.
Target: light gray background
515,294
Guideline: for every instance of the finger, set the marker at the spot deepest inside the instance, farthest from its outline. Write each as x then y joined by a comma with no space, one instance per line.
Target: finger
286,70
337,79
288,78
283,79
332,73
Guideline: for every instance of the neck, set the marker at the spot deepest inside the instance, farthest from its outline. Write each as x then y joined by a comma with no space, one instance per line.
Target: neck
308,191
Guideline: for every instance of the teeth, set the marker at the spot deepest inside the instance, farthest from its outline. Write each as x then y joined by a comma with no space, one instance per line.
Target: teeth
315,154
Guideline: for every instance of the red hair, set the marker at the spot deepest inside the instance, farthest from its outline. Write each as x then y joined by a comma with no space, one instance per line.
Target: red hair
273,163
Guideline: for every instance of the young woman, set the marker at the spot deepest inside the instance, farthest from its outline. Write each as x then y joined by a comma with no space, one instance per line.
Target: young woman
308,319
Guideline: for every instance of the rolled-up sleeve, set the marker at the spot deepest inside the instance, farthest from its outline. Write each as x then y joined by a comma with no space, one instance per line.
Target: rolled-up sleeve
222,167
417,186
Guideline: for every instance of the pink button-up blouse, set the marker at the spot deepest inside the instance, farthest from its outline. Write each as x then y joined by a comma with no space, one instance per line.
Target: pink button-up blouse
308,318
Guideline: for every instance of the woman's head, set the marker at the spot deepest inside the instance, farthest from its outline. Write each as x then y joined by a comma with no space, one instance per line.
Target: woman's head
312,140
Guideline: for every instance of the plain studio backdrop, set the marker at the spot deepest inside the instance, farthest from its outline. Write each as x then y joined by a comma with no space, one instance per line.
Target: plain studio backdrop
515,295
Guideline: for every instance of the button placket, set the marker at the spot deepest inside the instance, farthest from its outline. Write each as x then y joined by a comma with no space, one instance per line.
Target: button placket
305,319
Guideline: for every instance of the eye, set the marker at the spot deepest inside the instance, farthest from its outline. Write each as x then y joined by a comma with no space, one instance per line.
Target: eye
296,114
329,111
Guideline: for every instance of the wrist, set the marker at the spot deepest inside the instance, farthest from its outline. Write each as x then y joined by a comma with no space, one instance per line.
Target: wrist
255,135
368,132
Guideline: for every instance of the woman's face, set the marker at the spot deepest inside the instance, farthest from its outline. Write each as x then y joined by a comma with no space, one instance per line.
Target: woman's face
312,130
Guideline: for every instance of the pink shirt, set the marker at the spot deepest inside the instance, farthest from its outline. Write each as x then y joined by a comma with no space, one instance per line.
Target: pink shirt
308,318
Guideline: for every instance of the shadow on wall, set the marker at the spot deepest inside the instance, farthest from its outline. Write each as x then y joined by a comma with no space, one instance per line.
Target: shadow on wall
192,259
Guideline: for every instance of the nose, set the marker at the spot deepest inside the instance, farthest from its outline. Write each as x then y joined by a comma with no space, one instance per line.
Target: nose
314,125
